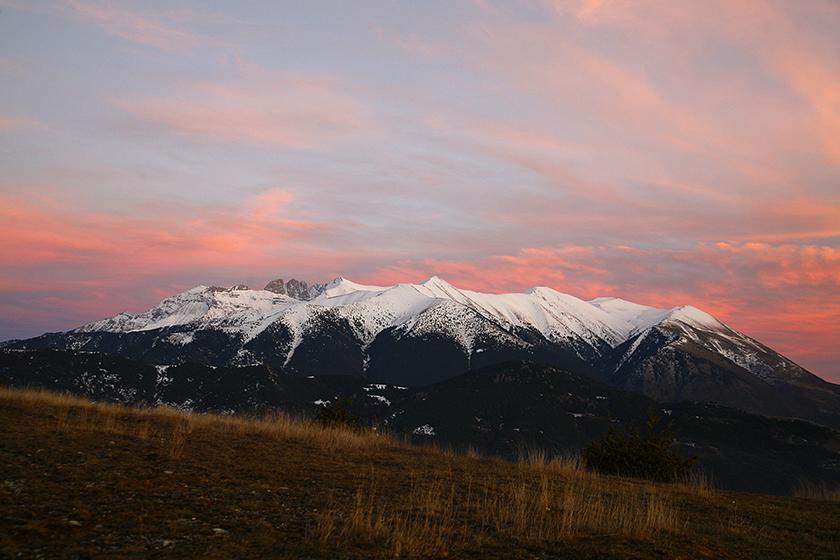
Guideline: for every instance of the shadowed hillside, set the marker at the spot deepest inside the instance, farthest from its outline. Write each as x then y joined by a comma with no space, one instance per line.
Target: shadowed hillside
94,480
498,410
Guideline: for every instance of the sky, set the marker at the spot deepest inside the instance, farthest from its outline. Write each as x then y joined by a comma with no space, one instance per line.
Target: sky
667,153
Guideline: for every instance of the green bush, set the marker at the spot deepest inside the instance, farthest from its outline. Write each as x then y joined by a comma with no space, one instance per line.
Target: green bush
337,413
628,453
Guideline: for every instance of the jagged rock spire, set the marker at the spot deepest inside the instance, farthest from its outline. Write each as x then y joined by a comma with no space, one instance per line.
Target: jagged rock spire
277,286
297,289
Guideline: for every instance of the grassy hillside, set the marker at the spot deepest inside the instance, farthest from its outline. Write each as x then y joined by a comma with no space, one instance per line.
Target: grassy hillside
93,480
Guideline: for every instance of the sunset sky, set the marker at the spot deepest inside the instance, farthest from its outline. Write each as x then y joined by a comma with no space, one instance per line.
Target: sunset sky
664,152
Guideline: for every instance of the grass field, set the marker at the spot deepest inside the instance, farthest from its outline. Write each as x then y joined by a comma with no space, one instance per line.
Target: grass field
86,480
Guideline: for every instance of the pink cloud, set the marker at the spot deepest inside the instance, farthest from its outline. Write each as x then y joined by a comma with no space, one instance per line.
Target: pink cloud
659,111
131,26
63,265
764,29
44,229
258,107
788,265
10,122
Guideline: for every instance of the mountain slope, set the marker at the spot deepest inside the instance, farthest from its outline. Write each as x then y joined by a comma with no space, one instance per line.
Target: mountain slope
509,407
677,360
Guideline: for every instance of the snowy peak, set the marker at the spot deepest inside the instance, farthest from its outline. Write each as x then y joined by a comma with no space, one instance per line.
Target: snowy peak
637,318
439,288
234,308
694,317
632,318
685,323
435,280
437,283
342,286
558,317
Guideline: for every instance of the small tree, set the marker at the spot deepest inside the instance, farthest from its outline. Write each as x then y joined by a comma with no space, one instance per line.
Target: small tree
337,413
628,453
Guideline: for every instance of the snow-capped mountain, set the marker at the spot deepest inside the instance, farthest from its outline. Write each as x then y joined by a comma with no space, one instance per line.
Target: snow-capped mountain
437,306
592,329
235,310
422,333
688,324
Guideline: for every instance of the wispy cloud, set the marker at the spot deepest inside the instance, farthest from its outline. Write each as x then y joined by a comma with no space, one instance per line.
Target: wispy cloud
42,228
774,34
17,122
135,27
257,107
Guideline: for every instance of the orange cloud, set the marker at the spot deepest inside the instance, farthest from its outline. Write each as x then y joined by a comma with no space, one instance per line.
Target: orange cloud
788,265
45,229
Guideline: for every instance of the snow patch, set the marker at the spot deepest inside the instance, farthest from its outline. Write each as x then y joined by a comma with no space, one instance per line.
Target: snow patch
380,398
424,430
181,338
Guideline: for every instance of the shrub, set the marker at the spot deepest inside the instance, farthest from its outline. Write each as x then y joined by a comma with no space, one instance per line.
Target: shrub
628,453
337,413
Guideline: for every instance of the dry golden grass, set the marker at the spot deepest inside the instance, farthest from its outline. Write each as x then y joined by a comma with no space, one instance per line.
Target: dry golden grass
551,508
423,528
539,460
539,508
173,427
700,483
553,499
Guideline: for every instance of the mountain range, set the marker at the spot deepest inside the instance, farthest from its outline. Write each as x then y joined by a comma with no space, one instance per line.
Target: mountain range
419,334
